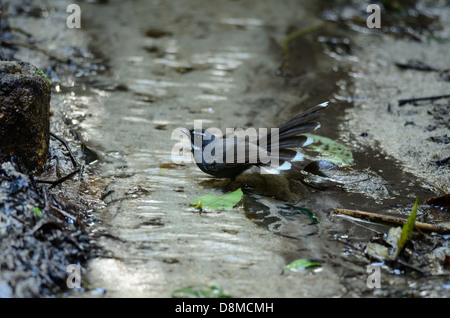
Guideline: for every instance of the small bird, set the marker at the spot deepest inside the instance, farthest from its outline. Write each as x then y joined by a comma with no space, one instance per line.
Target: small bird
230,156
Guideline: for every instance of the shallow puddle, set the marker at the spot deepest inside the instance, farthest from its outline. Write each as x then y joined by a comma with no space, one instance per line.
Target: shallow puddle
170,63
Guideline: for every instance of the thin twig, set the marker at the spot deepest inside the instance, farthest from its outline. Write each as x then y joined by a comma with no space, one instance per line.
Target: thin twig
64,142
77,166
402,102
32,47
19,30
18,219
64,213
61,180
392,219
45,196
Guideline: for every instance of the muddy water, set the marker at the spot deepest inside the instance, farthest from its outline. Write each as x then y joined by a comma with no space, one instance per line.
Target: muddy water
171,63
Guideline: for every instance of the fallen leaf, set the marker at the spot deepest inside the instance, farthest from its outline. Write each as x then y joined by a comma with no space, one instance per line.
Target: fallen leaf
441,201
214,202
333,151
300,264
308,213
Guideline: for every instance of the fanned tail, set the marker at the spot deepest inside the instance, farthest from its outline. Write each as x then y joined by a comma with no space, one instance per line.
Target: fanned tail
289,136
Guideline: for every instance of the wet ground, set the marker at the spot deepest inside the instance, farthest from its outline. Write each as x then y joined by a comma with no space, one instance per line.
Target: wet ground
151,67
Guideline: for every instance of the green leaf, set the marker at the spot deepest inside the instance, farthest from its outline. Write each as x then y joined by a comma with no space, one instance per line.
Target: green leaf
308,213
37,211
301,264
200,292
334,151
396,238
214,202
408,227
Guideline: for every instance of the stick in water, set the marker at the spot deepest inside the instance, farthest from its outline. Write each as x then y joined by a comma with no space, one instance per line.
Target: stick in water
392,219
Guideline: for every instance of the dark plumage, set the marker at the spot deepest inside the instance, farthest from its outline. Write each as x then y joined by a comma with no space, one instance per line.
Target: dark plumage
210,153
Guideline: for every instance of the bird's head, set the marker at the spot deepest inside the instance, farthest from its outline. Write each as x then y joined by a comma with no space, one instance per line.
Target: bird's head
199,137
